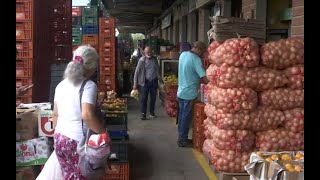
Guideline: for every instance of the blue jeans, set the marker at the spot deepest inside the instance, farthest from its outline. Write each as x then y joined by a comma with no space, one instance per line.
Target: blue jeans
185,115
149,87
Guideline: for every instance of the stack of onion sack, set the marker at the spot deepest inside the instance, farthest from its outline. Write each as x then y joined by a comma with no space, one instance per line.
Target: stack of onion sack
285,55
171,99
230,140
234,113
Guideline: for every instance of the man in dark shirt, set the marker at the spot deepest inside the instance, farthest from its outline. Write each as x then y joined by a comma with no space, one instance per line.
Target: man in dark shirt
146,78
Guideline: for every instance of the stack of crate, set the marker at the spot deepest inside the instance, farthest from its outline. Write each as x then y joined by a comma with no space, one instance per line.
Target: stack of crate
85,27
119,163
76,26
62,46
57,70
90,26
62,34
24,45
107,52
33,49
198,130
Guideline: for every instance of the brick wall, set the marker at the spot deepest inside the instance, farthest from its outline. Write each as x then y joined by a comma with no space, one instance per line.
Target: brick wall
204,24
169,33
201,30
297,23
189,25
175,32
247,7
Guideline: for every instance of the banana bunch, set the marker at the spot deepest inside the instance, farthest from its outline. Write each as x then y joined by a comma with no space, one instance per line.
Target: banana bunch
170,79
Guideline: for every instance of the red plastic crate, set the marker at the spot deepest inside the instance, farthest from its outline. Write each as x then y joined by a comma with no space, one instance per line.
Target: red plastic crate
62,52
23,81
107,22
106,60
24,30
107,32
108,80
93,40
104,87
24,72
61,8
25,49
24,63
198,127
76,11
199,111
107,42
61,37
25,99
61,23
107,51
107,70
24,10
118,172
198,140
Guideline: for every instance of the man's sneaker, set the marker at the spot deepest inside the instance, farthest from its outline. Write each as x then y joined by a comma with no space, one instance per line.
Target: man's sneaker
153,115
143,117
188,143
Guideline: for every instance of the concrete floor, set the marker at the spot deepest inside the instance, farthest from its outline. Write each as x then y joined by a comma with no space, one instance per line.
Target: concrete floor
153,150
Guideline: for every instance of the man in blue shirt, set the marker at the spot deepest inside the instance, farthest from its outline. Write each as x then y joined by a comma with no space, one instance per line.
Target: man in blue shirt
191,72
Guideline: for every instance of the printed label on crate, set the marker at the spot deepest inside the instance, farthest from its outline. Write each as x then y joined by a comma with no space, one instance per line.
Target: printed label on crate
45,123
32,152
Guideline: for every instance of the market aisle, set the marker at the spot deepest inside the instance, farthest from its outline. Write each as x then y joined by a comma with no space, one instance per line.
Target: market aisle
153,151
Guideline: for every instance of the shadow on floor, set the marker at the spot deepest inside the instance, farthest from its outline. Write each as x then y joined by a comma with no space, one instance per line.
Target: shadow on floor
140,162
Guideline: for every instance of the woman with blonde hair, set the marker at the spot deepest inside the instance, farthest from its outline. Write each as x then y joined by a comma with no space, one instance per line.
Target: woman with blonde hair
71,119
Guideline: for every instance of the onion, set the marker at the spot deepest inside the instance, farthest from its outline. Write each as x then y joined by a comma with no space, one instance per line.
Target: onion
227,162
283,141
237,140
275,98
257,78
226,100
295,75
235,52
294,120
283,53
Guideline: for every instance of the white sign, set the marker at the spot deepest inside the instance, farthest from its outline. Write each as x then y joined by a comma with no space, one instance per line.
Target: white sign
166,21
45,123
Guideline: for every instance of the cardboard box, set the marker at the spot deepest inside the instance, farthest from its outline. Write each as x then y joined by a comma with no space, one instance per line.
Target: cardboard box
241,178
45,123
174,55
165,54
260,169
26,124
43,106
27,173
277,171
33,152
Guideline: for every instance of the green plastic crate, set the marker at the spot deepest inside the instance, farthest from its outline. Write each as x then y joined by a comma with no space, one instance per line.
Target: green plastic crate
90,11
89,21
76,31
76,40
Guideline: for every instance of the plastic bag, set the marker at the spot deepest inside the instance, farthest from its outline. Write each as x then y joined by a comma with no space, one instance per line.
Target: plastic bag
52,169
135,94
